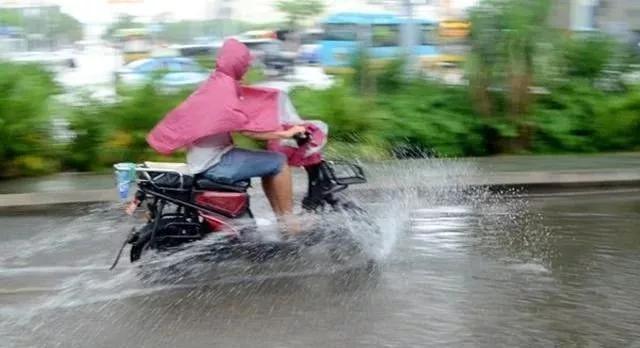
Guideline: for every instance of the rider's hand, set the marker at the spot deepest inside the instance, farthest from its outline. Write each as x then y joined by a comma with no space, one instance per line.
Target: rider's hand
289,133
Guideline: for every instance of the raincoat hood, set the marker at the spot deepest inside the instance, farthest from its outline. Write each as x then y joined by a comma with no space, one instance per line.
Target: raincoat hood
233,59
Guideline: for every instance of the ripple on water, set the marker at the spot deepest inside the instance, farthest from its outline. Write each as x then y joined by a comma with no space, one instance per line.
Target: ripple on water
459,267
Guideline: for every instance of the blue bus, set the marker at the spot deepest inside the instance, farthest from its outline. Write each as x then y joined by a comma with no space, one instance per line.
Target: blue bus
345,33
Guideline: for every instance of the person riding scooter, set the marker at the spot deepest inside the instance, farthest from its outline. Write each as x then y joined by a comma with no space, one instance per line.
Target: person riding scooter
204,123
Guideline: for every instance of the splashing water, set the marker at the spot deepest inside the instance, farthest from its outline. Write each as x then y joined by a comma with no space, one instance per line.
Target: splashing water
404,199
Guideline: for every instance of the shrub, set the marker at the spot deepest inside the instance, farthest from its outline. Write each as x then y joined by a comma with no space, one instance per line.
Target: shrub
424,117
587,56
87,123
25,123
617,127
129,121
580,118
565,118
107,133
432,118
349,117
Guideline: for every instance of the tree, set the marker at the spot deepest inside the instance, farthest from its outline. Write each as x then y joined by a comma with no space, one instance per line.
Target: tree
587,57
299,10
55,26
65,29
185,31
506,36
9,17
124,21
25,134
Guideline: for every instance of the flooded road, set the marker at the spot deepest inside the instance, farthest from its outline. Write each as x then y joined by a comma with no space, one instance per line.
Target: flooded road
478,271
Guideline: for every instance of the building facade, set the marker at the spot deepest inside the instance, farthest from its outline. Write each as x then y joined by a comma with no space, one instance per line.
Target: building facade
619,18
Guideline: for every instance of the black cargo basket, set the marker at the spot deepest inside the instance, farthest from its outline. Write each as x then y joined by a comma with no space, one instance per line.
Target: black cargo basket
345,173
168,180
165,181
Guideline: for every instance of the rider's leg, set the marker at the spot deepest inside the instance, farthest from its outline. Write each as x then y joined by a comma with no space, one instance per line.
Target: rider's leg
240,164
279,191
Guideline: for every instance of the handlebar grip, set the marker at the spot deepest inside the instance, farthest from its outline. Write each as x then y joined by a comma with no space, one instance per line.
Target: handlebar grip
302,138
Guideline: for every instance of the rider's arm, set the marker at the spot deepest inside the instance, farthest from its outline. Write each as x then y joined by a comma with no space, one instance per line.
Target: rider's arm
283,134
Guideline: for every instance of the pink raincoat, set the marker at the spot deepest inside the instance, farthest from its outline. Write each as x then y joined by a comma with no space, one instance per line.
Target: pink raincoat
217,107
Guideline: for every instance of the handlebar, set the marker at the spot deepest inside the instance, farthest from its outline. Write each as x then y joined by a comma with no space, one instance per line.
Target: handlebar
302,138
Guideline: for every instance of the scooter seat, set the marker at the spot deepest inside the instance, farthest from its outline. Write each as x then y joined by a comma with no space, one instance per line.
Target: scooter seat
203,183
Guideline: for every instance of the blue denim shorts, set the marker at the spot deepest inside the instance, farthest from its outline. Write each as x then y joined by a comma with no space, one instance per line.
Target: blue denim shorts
240,164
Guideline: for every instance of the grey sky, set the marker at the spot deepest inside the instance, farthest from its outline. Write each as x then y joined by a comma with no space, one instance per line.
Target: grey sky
101,11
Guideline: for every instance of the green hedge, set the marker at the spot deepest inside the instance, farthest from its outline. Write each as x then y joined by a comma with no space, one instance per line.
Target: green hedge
107,133
26,142
429,118
420,117
399,118
579,118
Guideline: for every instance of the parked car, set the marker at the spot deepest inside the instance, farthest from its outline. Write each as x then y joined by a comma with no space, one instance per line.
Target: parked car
196,50
309,50
54,60
203,53
271,55
165,72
